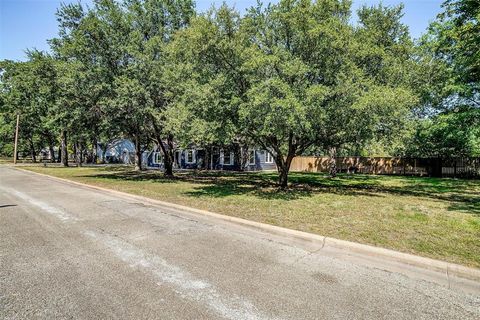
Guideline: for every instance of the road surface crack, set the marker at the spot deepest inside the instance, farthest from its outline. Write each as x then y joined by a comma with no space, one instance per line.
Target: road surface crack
310,253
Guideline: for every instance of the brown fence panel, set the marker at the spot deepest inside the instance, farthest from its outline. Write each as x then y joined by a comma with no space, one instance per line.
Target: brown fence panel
454,167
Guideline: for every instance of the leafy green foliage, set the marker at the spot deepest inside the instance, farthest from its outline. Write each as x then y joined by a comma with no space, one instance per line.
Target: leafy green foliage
450,134
450,90
27,89
292,75
453,41
117,48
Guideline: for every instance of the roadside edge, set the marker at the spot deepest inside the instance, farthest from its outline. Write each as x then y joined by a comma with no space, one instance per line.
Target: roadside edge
449,274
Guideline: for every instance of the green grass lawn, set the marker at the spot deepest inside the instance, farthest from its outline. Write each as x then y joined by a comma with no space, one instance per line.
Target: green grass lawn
437,218
5,160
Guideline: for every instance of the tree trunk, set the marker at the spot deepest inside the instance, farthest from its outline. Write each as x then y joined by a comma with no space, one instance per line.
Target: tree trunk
104,153
168,151
211,157
52,153
76,154
283,170
455,168
283,164
138,154
32,150
94,151
243,157
80,153
51,150
168,154
333,162
283,178
207,158
168,163
64,148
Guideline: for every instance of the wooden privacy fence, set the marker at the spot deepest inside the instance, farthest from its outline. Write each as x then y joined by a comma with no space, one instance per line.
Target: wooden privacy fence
437,167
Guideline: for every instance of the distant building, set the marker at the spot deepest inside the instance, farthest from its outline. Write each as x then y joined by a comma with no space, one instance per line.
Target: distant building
117,151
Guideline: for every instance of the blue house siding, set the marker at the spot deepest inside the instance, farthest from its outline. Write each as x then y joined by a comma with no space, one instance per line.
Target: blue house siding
220,155
198,159
123,151
259,165
180,161
151,160
260,162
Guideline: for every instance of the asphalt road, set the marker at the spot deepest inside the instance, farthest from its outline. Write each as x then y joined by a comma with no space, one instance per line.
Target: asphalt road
73,252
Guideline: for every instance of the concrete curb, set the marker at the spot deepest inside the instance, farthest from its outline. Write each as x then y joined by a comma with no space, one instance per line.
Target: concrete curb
388,259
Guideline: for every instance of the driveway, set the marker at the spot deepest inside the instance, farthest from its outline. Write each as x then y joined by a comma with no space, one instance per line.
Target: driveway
72,252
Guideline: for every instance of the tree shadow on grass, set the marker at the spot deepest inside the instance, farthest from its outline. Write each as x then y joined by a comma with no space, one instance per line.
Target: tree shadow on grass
219,190
462,195
269,192
468,205
130,175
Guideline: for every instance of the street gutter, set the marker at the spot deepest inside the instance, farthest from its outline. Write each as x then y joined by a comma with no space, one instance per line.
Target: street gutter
450,275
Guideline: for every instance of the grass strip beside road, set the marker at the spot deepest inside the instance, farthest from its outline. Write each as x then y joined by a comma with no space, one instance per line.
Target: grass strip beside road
431,217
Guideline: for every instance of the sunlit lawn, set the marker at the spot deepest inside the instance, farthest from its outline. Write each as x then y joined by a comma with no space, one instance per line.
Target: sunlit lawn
438,218
5,160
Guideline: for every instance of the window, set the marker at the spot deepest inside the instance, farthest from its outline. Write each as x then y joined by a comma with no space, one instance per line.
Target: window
268,157
251,157
190,156
157,158
226,158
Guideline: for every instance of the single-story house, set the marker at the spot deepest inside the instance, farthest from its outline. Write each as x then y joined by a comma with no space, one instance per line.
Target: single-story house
192,157
215,158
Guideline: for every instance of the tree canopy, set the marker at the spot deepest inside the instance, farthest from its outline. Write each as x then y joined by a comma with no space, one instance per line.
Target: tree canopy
289,77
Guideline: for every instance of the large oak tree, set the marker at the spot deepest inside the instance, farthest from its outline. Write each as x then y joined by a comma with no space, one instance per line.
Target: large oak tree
292,75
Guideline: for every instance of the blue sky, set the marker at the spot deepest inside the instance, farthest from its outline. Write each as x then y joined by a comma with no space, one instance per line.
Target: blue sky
29,23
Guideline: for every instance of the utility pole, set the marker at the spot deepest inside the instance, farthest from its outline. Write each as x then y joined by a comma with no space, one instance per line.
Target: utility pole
16,140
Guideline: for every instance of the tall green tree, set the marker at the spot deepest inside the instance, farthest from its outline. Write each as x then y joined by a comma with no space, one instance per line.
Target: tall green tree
28,89
85,50
453,133
153,23
205,80
19,94
452,41
119,45
451,83
293,75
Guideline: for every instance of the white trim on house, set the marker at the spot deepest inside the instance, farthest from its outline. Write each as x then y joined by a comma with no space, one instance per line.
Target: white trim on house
251,156
268,157
193,155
